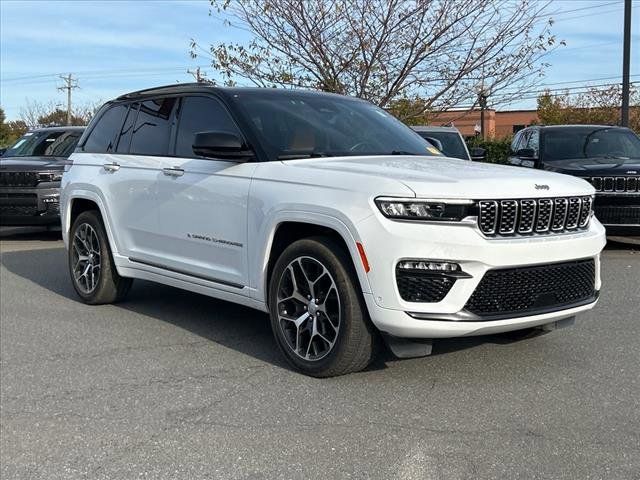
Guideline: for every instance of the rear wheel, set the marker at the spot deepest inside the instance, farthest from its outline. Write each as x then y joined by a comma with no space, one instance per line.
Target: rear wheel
91,265
318,315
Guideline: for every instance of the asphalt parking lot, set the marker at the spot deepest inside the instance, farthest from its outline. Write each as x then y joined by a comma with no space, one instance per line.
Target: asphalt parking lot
171,384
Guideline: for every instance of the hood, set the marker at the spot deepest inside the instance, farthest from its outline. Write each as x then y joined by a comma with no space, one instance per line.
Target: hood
443,177
596,167
33,164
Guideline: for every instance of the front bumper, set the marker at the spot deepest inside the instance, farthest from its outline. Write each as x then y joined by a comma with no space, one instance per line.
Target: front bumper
30,206
387,242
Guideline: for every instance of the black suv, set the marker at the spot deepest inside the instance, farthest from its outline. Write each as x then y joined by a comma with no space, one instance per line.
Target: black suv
608,157
30,174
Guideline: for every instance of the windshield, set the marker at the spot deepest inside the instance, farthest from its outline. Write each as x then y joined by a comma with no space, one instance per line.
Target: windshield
46,143
607,143
452,143
303,126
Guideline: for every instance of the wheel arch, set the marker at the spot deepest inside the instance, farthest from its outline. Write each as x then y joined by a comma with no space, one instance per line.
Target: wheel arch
287,231
81,202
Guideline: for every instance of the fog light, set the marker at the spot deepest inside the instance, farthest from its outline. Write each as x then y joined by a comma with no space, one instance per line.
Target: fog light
429,266
51,199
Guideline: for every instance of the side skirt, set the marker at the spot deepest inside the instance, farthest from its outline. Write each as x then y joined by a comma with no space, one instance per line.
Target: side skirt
154,273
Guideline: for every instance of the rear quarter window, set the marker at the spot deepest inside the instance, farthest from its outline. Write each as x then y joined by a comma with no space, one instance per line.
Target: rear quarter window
102,137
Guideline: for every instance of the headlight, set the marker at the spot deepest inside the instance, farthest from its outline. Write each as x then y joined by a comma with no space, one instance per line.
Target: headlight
50,176
418,209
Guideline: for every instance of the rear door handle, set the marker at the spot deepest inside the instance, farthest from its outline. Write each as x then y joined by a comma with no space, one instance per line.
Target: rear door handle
111,167
173,172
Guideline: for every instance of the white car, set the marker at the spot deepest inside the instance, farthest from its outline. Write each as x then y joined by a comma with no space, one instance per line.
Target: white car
326,212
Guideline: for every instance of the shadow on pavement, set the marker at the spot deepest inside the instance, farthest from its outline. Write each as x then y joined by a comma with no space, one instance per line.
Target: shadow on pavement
233,326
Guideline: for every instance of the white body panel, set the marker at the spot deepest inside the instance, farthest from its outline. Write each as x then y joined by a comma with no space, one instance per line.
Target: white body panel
245,203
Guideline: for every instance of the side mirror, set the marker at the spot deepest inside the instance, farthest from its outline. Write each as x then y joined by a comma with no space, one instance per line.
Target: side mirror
435,142
529,153
478,154
221,145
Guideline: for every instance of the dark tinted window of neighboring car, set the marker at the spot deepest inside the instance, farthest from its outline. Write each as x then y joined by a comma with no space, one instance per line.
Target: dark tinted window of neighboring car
124,137
103,135
622,146
201,114
45,143
452,143
533,141
152,132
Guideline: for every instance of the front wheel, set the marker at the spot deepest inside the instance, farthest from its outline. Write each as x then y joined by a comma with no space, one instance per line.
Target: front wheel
318,315
93,272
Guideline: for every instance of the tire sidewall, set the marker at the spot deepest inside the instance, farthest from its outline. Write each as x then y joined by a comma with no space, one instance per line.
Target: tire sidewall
91,218
343,278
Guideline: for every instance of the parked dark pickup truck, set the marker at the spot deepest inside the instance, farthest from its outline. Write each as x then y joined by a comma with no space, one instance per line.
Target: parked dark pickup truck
606,156
30,174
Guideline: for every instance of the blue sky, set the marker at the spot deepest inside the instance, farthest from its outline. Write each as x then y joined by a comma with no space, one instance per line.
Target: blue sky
113,47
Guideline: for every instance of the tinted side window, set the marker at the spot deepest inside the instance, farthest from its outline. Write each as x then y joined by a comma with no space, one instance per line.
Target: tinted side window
152,131
124,138
103,136
515,142
201,114
534,141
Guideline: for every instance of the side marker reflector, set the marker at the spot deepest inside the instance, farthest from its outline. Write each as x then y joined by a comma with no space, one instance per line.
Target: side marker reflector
363,257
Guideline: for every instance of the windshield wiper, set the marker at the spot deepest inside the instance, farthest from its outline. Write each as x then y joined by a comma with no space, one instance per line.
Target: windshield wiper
298,156
404,152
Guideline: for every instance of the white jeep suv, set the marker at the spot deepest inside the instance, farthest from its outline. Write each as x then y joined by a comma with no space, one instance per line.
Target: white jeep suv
326,212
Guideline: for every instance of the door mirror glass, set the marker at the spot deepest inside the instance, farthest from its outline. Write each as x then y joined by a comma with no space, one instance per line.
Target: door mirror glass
221,145
526,153
478,154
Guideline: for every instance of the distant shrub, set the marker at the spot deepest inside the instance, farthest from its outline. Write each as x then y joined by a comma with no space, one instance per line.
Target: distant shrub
497,149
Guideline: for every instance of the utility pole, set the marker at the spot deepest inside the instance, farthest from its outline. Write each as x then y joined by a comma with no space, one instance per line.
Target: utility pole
70,84
626,59
482,100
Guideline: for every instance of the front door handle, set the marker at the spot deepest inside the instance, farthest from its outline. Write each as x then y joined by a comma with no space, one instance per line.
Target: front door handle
111,167
173,172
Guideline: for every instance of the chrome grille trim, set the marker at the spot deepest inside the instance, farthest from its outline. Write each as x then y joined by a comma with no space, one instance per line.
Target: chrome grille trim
528,209
508,217
585,211
615,184
534,216
488,217
573,213
560,209
545,212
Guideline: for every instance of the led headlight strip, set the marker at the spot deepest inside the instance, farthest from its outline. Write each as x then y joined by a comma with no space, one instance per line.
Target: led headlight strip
446,210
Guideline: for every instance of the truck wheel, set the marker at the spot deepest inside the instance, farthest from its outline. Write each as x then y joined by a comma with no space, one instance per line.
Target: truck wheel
318,316
93,272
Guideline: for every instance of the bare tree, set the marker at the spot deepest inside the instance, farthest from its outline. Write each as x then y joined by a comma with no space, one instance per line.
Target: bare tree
37,114
436,51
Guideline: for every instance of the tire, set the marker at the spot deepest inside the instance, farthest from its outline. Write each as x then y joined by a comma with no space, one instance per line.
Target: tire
334,335
94,278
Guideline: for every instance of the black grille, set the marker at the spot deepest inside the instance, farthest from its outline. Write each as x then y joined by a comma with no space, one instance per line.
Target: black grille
615,184
528,216
18,179
529,289
421,287
18,210
611,215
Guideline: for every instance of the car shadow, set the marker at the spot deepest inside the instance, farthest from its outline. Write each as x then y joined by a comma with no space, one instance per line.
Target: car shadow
231,325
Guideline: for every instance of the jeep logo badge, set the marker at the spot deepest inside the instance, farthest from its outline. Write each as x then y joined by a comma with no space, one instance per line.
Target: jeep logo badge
542,187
